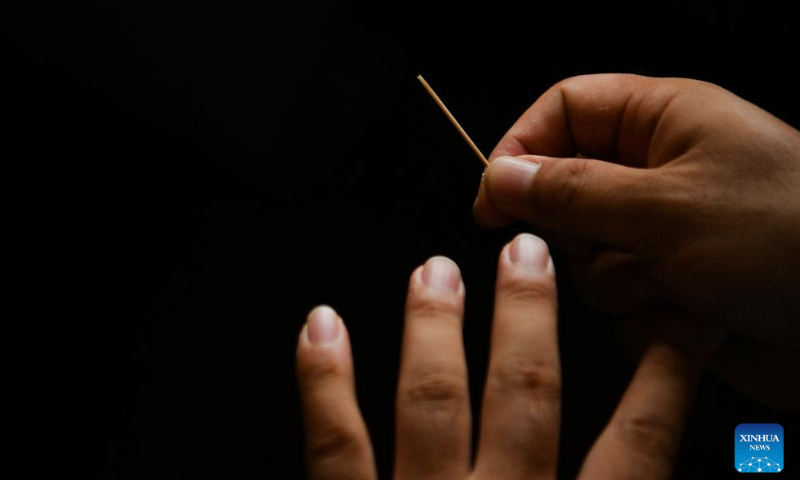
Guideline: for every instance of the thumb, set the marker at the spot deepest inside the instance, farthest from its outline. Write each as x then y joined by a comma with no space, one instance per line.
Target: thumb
596,200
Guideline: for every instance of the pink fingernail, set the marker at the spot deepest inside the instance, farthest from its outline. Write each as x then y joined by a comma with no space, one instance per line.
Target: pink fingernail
322,325
529,252
442,273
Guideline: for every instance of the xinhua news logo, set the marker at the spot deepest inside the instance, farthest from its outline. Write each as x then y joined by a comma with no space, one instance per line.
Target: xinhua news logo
759,448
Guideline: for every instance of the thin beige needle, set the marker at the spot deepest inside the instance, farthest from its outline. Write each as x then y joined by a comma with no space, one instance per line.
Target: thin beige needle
452,119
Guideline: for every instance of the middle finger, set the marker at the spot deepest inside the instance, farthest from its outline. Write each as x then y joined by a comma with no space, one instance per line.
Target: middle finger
433,411
522,402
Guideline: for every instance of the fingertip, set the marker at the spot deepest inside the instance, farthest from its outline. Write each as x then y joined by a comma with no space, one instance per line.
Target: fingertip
529,252
526,273
323,349
323,326
441,273
508,180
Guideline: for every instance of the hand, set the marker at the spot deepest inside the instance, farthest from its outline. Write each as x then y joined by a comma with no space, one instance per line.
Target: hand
521,407
689,201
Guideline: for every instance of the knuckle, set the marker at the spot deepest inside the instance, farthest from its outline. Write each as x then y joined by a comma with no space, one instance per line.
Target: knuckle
429,303
320,370
435,390
565,85
561,199
649,435
335,441
528,289
531,376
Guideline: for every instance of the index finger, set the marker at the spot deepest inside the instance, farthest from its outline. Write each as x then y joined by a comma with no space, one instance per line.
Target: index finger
608,117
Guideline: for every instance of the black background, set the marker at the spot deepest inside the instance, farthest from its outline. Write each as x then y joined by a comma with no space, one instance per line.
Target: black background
186,180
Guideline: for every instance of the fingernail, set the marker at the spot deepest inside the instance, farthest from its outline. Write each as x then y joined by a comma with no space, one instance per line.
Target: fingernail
529,252
322,325
441,273
508,179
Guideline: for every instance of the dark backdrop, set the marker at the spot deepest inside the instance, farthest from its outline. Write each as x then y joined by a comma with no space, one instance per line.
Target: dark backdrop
187,179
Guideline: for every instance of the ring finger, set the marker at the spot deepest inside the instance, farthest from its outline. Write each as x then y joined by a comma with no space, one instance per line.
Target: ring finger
522,402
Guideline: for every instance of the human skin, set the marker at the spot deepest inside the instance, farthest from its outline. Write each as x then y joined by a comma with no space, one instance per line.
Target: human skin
669,195
520,420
